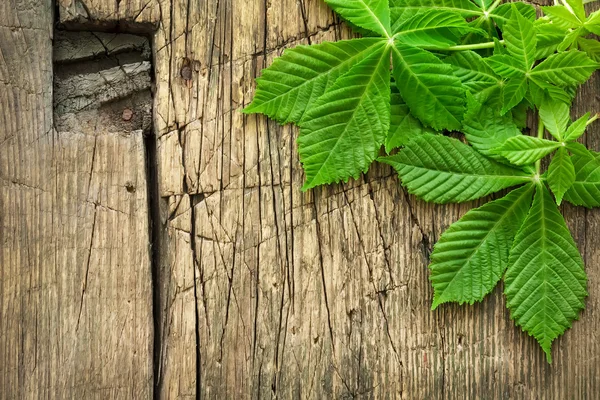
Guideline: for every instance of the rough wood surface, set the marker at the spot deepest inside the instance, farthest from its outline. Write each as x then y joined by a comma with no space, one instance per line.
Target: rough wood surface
75,282
263,291
323,294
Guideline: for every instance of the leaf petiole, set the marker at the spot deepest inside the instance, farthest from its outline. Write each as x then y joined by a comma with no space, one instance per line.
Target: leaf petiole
493,6
462,47
594,118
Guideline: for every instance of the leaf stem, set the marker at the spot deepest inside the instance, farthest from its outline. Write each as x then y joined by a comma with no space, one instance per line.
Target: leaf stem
461,47
595,117
494,6
540,135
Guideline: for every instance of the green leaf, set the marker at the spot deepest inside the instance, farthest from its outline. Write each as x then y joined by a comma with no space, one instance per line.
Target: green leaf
561,17
486,129
403,126
525,150
591,48
578,9
519,113
593,23
545,283
561,174
484,30
555,116
402,10
577,128
586,188
541,92
520,38
506,66
472,255
594,18
342,133
499,48
429,87
570,38
445,170
483,4
474,74
433,28
501,15
301,75
579,149
498,16
373,15
571,67
513,93
549,37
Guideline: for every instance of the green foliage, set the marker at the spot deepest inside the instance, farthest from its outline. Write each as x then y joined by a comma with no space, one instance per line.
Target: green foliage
523,150
403,125
342,133
372,15
555,117
561,174
472,255
586,187
545,283
485,129
445,170
437,97
433,28
297,79
476,76
471,66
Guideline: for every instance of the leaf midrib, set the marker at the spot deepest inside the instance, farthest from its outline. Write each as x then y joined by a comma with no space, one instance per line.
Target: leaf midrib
524,179
520,20
478,12
537,72
428,28
541,148
385,30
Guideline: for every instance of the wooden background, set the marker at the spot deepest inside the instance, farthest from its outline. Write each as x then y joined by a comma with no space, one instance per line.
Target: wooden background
251,289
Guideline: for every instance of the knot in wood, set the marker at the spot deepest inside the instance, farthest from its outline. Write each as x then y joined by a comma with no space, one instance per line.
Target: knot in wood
127,114
130,187
186,72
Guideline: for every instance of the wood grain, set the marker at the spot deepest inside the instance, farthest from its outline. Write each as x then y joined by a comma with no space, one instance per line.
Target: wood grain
325,294
75,282
263,291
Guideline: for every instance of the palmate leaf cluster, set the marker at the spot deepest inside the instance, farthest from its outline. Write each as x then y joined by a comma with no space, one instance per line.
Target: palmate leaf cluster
478,67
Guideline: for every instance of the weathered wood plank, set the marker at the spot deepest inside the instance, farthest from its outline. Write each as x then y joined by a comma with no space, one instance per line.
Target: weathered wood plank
75,279
125,15
323,294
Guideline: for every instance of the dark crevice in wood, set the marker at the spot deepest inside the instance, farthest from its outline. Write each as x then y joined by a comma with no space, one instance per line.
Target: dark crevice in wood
196,280
157,238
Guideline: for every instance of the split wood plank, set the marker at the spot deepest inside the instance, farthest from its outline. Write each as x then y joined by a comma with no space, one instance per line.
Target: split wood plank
75,277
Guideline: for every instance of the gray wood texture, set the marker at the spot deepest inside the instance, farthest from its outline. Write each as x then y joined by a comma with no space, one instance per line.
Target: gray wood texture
261,291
